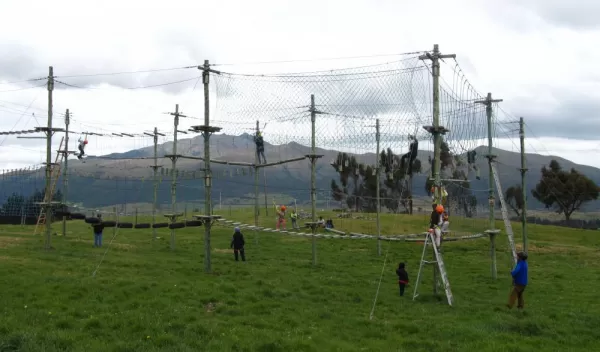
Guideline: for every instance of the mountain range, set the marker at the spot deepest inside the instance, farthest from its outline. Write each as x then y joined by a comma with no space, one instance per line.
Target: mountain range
126,178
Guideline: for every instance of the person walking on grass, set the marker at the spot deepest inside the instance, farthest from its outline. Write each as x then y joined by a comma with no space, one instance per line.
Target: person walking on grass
402,277
98,228
237,243
520,278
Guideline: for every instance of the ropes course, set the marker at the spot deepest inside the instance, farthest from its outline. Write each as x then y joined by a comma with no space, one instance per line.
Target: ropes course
366,132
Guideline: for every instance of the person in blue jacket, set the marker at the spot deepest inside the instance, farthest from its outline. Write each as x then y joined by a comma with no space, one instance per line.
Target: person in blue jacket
519,275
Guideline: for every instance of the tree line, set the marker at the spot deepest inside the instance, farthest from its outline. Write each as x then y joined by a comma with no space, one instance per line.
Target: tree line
357,183
559,190
19,205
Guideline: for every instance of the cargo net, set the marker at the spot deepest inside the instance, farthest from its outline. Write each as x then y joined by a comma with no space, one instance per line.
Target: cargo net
347,105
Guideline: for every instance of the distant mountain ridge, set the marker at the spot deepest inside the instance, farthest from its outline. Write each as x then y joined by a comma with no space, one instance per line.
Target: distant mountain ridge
100,180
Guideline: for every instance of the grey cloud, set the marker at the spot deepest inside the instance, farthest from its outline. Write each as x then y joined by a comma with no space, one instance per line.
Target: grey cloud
575,117
579,14
19,63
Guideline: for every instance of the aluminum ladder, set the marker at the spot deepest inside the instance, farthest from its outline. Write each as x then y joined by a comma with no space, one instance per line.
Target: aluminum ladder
439,261
55,175
507,224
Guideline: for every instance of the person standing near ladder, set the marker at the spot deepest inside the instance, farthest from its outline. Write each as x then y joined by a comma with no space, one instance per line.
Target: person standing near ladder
520,278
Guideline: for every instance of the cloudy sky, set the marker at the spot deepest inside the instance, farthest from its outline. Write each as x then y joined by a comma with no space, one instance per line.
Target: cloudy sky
539,56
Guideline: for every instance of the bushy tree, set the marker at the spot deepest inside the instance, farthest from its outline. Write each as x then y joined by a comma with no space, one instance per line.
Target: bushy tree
564,191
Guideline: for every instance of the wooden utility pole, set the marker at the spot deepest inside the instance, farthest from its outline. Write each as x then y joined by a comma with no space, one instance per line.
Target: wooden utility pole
256,172
65,172
155,177
313,177
378,198
523,183
207,130
174,215
49,132
437,131
490,156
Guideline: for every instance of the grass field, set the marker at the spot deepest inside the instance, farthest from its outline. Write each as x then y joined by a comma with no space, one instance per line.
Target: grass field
144,297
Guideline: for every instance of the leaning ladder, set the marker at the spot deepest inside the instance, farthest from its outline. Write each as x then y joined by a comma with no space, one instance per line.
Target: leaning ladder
439,260
55,174
507,224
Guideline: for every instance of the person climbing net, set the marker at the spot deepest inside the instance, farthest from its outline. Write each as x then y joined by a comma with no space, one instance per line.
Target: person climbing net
410,156
82,143
260,147
471,158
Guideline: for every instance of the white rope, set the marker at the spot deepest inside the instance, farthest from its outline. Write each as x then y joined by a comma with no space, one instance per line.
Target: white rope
380,279
106,251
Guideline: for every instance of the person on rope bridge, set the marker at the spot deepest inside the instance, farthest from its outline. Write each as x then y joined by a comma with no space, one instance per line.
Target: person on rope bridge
294,217
260,147
280,218
237,243
402,277
82,144
410,156
471,158
436,223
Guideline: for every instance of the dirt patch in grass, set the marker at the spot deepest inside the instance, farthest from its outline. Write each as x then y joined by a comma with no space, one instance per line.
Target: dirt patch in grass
222,250
7,242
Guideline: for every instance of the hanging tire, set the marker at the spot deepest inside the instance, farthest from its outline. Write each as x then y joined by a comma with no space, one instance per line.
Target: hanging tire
142,226
193,223
92,220
77,216
125,225
161,225
177,225
109,223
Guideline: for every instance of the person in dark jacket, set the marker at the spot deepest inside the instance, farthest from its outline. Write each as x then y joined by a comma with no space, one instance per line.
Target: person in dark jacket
98,228
237,243
520,279
402,277
260,148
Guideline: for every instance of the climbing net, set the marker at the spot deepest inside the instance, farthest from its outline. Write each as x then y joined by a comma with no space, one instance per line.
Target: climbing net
348,104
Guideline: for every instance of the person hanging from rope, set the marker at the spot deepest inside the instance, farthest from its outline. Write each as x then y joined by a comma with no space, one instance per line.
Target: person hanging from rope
82,144
260,147
410,156
436,223
280,218
471,158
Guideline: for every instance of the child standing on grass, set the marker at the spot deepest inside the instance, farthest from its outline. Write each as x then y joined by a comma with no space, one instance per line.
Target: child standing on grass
237,243
402,277
519,275
98,228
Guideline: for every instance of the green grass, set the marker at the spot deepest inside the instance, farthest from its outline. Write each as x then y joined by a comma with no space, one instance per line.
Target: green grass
145,297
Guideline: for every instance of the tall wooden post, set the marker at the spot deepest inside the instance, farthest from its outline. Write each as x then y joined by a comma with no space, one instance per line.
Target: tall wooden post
174,173
378,197
437,131
207,130
65,171
48,201
523,183
313,176
256,171
155,177
491,200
